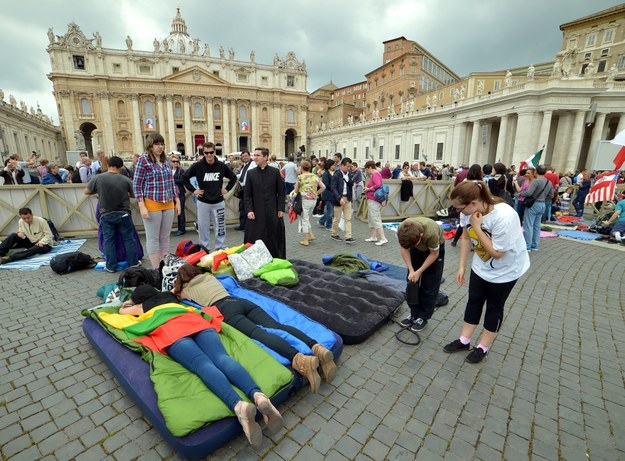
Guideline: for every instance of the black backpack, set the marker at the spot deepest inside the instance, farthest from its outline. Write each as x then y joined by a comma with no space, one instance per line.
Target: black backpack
55,233
71,262
76,176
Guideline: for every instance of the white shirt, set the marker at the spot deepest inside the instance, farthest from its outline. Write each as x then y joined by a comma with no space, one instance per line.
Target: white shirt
290,172
503,227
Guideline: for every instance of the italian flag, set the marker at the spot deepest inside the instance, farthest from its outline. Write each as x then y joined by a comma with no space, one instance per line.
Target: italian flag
533,161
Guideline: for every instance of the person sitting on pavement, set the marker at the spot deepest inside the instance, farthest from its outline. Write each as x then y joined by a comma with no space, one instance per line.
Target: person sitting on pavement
33,234
203,288
618,230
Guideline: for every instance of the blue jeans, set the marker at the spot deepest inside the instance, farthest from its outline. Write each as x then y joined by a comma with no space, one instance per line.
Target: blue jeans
531,225
328,213
204,355
288,187
118,221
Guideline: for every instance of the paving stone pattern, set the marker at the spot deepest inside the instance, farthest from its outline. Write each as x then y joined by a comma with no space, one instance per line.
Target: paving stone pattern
551,387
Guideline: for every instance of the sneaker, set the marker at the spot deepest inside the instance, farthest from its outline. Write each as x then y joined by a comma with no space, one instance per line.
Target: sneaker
381,242
329,229
618,237
408,321
419,325
111,271
455,346
349,240
371,239
336,237
138,264
5,259
476,355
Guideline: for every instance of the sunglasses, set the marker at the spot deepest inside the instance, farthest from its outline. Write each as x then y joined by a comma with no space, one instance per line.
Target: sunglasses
175,161
208,152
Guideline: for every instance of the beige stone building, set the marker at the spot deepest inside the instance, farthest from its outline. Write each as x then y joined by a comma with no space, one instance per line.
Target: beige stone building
567,105
113,99
24,130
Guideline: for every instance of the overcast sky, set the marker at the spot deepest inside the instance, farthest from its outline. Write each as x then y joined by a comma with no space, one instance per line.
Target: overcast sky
341,40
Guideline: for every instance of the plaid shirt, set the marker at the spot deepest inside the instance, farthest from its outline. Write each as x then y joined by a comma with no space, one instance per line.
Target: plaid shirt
154,181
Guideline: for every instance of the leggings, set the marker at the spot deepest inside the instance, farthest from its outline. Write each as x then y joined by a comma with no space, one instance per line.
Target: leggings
429,284
157,231
493,294
204,355
246,317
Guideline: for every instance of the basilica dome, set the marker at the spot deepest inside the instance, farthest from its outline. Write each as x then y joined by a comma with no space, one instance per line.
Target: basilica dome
178,41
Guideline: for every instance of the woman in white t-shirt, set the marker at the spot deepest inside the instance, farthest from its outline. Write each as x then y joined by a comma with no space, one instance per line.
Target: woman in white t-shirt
492,227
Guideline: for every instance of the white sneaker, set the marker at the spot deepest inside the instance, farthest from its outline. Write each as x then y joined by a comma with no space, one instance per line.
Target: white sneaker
381,242
618,237
371,239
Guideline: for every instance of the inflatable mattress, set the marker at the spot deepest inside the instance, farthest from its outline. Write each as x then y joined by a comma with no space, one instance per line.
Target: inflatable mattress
352,307
133,373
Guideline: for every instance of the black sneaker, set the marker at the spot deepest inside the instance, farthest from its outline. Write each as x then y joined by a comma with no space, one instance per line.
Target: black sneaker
350,240
336,237
455,346
476,355
407,321
419,325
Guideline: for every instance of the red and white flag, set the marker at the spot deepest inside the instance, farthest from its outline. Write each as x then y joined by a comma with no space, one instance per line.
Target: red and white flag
619,140
603,189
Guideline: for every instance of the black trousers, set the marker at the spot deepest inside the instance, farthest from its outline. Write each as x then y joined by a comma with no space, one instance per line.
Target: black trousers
242,214
429,284
246,317
182,218
13,241
493,294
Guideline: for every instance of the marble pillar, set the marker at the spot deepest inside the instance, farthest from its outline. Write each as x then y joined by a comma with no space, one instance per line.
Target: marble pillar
524,145
501,152
210,125
576,136
189,146
234,125
171,126
475,142
277,137
254,127
545,127
597,131
109,138
137,135
225,116
160,120
303,127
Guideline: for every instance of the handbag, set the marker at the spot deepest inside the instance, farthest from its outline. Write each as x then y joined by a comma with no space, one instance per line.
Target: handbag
297,204
530,199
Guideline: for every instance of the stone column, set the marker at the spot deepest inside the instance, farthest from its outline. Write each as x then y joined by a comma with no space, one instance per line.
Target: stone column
254,127
502,153
234,132
210,128
160,119
597,130
171,126
225,116
475,142
68,120
303,131
577,134
109,138
276,144
545,128
136,123
188,138
523,142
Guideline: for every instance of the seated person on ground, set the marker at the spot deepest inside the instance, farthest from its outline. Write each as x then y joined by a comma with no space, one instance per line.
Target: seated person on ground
203,288
33,234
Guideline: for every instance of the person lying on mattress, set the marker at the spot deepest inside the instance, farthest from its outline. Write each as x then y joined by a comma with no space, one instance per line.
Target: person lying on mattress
204,289
192,341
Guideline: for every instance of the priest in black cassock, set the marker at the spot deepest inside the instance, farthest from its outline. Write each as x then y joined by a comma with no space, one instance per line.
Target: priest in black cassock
264,204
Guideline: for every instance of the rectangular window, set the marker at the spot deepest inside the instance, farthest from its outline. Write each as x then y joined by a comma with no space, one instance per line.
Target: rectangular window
216,73
590,40
79,62
241,77
175,70
355,153
587,56
145,69
264,80
605,52
397,149
344,151
608,36
497,85
601,66
290,81
117,67
415,152
381,152
179,126
439,151
366,152
572,43
621,62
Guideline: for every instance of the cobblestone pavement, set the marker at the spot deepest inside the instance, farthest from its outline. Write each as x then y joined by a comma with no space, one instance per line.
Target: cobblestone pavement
551,388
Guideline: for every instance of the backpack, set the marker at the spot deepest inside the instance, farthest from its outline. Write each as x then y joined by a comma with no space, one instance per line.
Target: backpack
183,248
71,262
169,270
76,176
55,233
381,194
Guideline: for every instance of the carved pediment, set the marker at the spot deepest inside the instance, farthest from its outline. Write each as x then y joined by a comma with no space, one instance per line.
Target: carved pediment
75,39
243,70
195,75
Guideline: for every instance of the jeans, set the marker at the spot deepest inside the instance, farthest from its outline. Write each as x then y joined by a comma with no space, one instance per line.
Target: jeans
118,222
13,241
215,213
246,317
520,209
531,225
288,187
204,355
328,212
429,284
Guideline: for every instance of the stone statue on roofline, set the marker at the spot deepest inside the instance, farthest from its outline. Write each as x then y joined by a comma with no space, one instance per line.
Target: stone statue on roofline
129,42
157,45
51,36
222,53
612,74
508,79
98,40
207,51
530,72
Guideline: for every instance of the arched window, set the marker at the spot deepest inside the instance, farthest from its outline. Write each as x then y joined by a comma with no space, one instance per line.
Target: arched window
197,110
177,110
121,108
290,116
85,106
148,108
264,115
242,112
217,111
